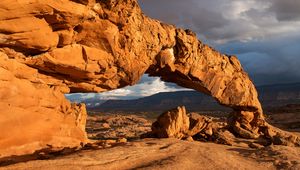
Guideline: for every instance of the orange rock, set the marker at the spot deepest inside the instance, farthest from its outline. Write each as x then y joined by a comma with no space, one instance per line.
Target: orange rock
172,124
49,48
34,115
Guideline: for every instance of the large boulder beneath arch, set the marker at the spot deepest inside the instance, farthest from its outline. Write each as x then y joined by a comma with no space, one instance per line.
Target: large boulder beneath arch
50,48
172,124
177,123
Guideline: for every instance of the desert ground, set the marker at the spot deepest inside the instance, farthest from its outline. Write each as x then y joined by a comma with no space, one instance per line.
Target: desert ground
172,154
115,144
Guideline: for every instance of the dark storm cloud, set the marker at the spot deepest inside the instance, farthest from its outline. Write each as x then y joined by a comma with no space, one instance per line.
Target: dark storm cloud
212,20
286,10
274,60
188,14
254,30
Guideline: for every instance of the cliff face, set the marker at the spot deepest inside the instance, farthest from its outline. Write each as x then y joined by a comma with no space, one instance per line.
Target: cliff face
49,48
34,115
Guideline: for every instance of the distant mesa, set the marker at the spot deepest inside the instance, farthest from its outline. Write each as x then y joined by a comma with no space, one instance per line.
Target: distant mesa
270,96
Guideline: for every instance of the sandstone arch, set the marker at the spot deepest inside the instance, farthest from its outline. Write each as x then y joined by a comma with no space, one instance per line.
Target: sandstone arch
49,48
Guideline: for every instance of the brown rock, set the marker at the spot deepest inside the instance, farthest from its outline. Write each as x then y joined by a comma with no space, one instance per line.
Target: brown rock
197,123
34,115
224,137
106,125
172,124
124,126
189,138
208,130
244,133
262,140
255,145
122,140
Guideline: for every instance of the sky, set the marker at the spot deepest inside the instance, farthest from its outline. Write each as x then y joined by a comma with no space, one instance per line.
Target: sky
263,34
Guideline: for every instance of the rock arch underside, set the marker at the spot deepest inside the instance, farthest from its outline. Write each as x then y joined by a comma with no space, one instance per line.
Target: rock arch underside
50,48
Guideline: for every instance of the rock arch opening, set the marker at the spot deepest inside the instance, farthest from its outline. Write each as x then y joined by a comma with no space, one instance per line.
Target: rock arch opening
129,112
150,94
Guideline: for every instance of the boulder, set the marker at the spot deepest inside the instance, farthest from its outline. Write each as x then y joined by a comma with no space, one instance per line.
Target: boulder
198,123
172,124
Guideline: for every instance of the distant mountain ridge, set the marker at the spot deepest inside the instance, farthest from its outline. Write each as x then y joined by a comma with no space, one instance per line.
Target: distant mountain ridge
162,101
270,96
279,94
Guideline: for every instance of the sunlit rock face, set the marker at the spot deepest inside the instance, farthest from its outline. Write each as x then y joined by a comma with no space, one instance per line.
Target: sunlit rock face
33,114
50,48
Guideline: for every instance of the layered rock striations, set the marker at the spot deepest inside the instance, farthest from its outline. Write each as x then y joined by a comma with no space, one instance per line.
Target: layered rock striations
50,48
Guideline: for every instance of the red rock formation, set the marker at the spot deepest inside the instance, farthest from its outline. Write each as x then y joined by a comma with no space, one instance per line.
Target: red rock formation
34,115
172,124
176,123
49,48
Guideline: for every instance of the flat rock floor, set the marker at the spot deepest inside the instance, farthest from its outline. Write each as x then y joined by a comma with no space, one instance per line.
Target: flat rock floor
171,154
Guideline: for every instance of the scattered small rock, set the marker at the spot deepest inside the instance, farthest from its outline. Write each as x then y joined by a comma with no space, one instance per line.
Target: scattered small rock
106,125
190,139
113,126
122,140
255,145
224,137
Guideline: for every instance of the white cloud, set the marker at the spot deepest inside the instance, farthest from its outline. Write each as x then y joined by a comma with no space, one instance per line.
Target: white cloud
147,87
88,95
156,86
117,93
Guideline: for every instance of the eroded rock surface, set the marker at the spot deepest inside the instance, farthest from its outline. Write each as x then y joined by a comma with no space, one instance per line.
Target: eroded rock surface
171,154
34,115
111,126
49,48
176,123
172,124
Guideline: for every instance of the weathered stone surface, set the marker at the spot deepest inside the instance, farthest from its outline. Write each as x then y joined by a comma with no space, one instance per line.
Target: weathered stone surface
172,124
280,137
114,126
34,115
49,48
198,123
166,154
177,124
223,136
